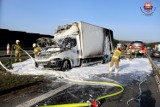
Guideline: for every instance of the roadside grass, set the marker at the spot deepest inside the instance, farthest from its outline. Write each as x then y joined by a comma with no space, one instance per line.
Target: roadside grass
8,80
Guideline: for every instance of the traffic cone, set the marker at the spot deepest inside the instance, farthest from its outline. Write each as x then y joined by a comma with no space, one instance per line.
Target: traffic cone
8,49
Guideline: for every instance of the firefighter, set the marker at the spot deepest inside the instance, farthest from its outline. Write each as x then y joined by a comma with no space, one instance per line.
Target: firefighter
36,50
18,51
144,52
128,53
136,51
115,59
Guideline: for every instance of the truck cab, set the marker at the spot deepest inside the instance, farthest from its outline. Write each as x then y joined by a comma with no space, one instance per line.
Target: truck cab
62,54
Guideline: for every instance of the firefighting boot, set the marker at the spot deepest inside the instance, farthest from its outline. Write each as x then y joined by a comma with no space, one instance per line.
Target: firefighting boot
116,70
110,69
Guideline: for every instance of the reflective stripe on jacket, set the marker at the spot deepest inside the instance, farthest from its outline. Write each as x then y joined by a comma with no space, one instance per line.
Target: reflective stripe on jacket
36,50
117,54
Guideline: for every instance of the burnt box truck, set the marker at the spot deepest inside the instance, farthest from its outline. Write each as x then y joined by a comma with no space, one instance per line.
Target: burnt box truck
75,45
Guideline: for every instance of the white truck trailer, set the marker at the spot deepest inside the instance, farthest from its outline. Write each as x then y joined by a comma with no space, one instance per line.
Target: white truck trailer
158,47
77,44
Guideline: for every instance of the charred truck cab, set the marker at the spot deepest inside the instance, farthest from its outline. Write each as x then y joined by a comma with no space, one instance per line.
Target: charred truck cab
77,45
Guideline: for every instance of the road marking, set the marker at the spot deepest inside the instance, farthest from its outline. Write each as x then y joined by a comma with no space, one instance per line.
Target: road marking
44,96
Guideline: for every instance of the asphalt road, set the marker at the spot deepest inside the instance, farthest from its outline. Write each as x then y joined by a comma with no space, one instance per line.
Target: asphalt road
81,93
131,96
148,98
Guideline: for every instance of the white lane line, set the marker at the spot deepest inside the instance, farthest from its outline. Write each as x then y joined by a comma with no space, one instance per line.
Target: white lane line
44,96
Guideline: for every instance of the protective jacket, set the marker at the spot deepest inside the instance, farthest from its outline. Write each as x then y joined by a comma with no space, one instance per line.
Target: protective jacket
145,51
117,54
36,50
115,58
18,50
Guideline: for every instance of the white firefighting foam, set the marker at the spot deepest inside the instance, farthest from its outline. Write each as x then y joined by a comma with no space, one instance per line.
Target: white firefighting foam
136,69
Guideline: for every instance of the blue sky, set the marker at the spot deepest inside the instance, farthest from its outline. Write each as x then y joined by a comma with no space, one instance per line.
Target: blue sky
124,17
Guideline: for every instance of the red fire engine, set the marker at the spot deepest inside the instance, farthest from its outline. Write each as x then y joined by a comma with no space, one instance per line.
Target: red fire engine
137,46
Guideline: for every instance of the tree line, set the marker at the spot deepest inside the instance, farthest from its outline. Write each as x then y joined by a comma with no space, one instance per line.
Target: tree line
26,39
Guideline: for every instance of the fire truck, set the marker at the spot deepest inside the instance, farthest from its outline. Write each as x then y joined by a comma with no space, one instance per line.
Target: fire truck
137,46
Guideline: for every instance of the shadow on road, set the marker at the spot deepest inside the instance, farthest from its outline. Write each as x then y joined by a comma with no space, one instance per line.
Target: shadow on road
147,100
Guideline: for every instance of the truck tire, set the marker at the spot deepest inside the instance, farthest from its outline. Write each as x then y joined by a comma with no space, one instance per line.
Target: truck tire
104,60
65,65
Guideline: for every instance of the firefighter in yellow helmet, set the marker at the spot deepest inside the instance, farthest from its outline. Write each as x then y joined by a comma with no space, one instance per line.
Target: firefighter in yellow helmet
36,50
18,51
115,59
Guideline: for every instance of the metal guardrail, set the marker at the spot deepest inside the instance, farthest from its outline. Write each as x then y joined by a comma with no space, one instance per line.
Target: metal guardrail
9,59
156,71
4,56
12,58
4,53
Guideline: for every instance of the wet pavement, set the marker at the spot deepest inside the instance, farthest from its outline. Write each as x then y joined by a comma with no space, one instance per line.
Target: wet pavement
75,94
130,97
149,96
18,99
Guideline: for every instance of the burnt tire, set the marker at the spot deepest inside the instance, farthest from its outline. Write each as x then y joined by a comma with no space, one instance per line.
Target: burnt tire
65,65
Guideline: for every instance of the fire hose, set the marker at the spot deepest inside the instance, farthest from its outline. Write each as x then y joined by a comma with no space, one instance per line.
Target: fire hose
92,103
140,93
22,50
10,70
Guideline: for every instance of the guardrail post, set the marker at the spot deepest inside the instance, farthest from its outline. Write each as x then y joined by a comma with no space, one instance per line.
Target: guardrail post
156,71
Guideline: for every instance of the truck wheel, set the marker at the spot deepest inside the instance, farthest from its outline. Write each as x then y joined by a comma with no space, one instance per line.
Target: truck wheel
65,65
104,60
